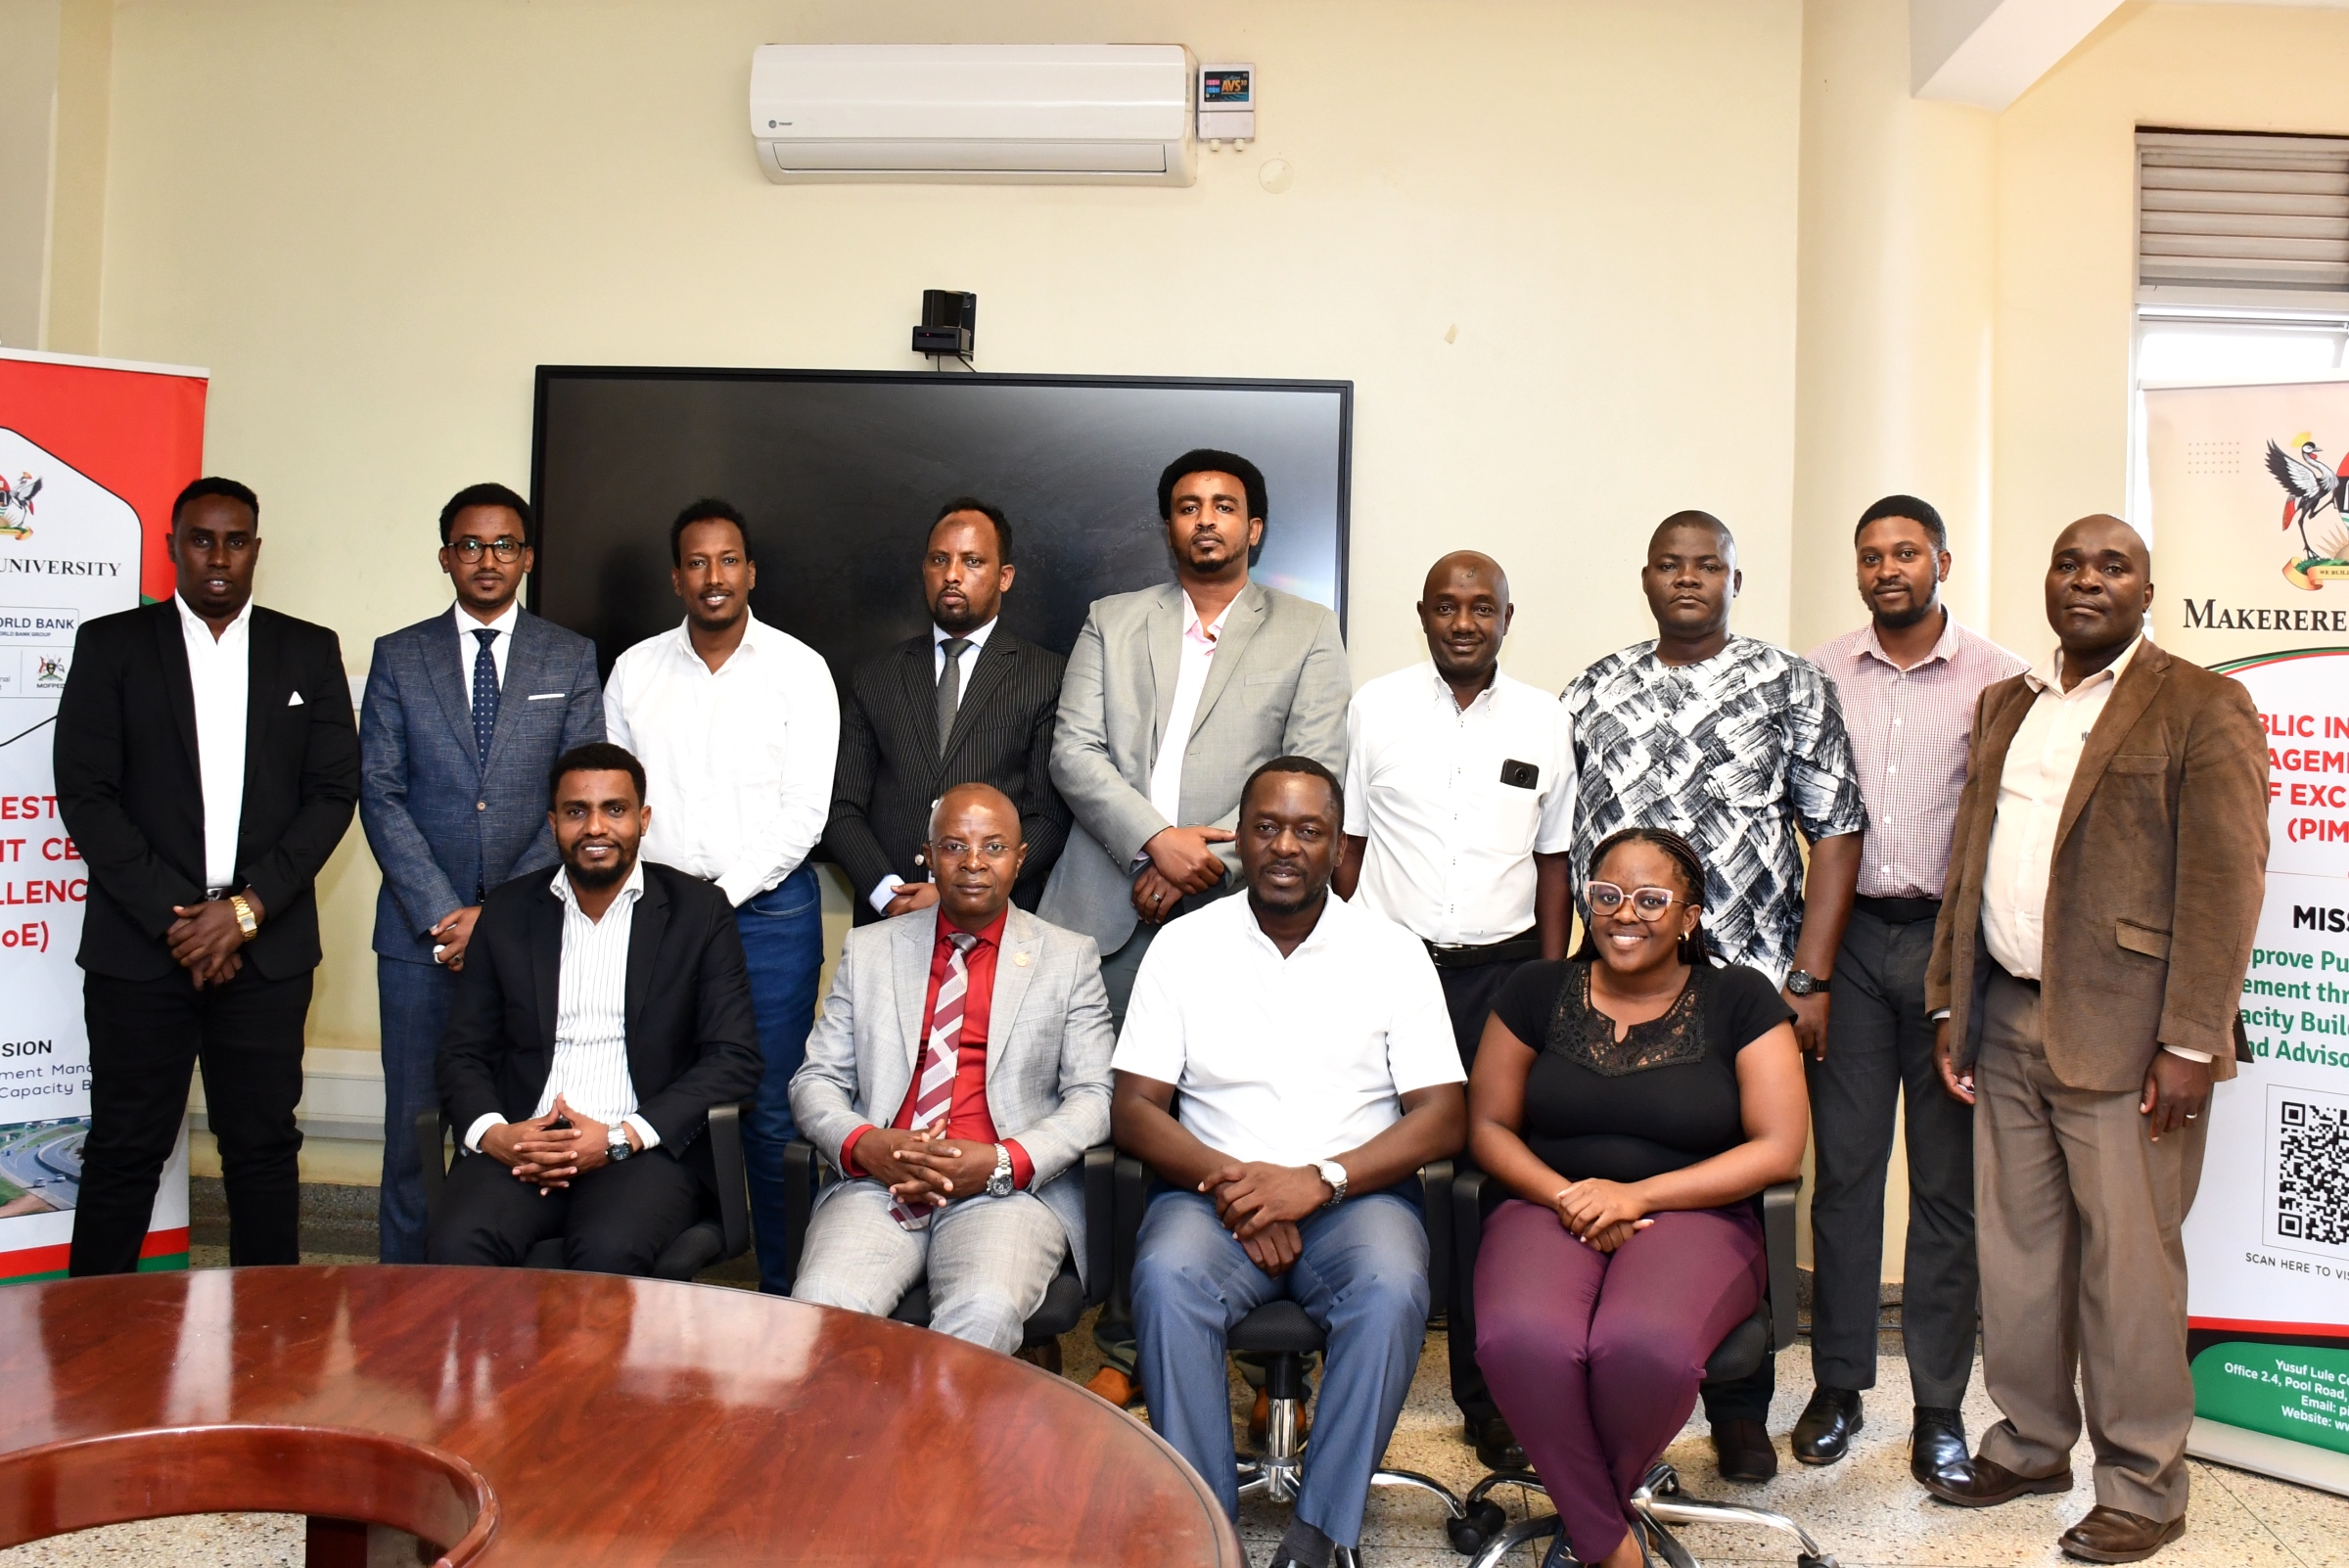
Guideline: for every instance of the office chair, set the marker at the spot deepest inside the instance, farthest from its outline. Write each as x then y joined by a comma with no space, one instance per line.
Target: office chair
721,1234
1280,1336
1483,1532
806,1172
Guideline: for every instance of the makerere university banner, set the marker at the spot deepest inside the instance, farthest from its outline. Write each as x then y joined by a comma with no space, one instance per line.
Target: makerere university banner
2252,574
92,453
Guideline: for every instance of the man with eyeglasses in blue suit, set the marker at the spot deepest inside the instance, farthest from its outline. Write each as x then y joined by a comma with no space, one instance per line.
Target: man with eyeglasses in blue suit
464,714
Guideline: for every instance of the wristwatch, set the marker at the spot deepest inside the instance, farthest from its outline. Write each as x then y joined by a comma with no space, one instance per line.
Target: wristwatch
1335,1174
619,1148
243,913
1802,983
999,1186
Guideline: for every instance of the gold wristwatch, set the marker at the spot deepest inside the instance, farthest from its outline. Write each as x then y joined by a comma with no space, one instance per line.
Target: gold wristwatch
243,913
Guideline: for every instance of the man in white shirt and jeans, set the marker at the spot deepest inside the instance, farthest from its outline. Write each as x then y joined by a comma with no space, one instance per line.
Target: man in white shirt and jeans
1309,1042
738,728
1457,824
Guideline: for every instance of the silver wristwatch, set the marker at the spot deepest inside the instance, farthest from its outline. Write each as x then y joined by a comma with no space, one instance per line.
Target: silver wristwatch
999,1186
618,1147
1335,1174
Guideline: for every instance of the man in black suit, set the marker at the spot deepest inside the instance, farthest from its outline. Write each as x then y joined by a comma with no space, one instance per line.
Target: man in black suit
599,1016
965,702
206,767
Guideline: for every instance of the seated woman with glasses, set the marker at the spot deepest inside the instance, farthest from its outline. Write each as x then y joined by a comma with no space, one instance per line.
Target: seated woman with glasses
1632,1100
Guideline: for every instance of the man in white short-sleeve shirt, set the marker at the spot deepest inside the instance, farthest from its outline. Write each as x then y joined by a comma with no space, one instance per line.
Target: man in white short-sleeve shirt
1459,815
1316,1061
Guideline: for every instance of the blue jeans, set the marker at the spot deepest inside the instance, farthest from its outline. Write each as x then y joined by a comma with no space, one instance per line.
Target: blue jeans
1361,1276
783,945
412,1002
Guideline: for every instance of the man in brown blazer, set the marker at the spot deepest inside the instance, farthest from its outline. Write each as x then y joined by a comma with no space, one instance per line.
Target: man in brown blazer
2106,879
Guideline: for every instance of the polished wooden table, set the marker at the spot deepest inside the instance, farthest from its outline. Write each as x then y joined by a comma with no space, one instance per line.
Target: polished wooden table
518,1417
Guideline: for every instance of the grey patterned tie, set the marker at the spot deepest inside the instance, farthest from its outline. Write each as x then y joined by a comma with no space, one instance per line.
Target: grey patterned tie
949,689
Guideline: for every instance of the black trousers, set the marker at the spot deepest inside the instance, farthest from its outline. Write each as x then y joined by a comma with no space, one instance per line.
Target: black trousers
614,1219
146,1038
1468,995
1880,1052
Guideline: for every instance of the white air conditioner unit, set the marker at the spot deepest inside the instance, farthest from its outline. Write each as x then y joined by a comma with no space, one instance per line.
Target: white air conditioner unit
975,114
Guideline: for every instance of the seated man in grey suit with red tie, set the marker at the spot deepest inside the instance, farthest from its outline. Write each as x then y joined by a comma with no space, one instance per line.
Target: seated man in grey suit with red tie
957,1075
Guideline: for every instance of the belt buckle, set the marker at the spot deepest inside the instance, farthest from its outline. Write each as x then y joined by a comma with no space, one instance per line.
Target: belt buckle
215,895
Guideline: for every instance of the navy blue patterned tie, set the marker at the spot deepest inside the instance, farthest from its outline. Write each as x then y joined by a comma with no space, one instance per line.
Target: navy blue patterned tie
484,696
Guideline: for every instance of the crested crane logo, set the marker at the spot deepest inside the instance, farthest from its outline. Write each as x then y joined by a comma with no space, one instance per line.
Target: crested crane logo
2311,491
16,506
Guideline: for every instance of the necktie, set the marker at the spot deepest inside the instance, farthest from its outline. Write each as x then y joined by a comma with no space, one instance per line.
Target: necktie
949,689
484,696
936,1094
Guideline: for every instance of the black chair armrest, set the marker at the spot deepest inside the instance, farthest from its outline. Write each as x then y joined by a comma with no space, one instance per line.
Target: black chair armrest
432,1136
1467,1198
1777,1248
1100,1223
733,1178
1435,1208
1132,1184
803,1177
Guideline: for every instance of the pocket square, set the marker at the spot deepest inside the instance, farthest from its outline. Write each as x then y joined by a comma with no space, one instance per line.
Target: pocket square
546,696
293,701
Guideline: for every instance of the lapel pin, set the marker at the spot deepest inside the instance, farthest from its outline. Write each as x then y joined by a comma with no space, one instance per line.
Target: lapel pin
1019,959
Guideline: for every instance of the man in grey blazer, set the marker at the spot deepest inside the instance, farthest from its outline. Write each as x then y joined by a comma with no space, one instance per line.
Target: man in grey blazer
957,1075
1232,672
463,715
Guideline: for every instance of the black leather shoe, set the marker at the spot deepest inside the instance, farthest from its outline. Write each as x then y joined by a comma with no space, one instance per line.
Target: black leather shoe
1936,1446
1824,1435
1742,1451
1496,1446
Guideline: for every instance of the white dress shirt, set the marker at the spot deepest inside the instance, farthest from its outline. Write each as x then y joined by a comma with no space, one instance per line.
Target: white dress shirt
469,646
220,680
1451,850
1191,682
591,1069
738,761
2039,763
1289,1060
967,661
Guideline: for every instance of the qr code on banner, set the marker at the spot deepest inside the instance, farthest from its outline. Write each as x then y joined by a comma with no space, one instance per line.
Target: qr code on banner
2308,1169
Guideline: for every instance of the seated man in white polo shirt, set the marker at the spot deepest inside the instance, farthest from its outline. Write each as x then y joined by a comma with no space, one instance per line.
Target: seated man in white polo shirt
1314,1057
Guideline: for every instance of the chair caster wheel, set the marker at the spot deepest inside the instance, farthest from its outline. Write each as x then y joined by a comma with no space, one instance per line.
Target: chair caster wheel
1483,1521
1804,1559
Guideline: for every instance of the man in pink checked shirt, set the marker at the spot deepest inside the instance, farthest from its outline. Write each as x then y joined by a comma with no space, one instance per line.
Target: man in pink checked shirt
1908,680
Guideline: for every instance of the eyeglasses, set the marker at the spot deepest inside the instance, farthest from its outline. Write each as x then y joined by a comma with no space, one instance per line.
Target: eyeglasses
1648,904
505,547
957,850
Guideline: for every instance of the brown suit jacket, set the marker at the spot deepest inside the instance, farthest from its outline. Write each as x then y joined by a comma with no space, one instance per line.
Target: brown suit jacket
2167,817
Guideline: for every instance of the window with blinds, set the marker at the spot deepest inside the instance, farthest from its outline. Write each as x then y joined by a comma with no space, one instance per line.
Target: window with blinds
2242,220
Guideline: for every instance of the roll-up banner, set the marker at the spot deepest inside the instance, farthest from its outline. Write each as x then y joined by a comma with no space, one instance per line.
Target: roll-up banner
92,452
2250,525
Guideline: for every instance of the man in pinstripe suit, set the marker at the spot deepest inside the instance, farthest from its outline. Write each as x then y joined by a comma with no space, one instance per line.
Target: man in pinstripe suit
964,703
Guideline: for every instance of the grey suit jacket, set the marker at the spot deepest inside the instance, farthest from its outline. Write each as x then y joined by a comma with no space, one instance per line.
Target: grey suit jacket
1279,686
1048,1050
444,829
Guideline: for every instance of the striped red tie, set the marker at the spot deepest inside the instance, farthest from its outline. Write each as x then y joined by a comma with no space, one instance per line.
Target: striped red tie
934,1097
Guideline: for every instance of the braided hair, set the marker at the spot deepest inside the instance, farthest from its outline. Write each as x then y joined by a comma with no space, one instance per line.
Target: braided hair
1682,856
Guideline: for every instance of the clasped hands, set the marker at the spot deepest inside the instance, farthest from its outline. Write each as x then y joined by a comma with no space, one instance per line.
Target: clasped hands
547,1156
1182,861
206,939
1600,1215
925,1168
1261,1203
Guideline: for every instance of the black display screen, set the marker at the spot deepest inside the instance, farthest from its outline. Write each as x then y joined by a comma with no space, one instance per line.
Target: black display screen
842,472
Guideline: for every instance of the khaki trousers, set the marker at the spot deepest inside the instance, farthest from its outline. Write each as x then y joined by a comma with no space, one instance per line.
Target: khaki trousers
2078,1214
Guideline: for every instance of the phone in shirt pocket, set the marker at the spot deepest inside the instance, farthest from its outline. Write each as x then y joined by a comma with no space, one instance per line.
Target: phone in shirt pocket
1516,807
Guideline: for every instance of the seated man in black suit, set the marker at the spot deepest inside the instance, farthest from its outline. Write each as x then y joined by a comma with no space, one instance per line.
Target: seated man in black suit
964,702
600,1014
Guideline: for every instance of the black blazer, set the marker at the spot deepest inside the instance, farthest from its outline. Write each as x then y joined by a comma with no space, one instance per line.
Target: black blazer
691,1043
130,791
891,769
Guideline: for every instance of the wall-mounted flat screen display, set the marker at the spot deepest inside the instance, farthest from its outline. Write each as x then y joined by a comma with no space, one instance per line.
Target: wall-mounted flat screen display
841,473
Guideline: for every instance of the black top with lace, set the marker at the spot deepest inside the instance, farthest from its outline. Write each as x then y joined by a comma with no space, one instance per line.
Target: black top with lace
1663,1098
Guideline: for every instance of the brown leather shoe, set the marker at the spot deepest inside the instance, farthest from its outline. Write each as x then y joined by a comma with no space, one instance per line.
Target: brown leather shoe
1045,1355
1114,1386
2115,1535
1979,1483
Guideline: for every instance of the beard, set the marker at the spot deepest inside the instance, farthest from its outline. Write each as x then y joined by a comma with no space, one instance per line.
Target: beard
1906,617
596,879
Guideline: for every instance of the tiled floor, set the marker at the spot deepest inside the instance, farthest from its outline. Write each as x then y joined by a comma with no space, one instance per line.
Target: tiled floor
1866,1510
